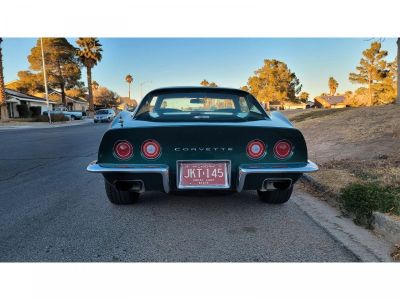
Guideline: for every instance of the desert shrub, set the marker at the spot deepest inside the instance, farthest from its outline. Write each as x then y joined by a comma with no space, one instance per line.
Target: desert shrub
54,118
361,200
23,111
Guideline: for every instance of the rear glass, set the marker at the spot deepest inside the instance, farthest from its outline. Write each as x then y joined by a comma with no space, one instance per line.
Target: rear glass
201,106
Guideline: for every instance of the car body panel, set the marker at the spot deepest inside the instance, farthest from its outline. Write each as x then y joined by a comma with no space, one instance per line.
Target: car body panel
204,141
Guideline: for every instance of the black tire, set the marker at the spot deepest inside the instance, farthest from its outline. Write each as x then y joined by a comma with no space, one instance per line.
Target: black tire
73,118
275,197
95,121
120,197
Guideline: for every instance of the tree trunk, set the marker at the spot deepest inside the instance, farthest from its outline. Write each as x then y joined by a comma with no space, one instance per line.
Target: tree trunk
129,91
63,98
398,71
3,103
89,82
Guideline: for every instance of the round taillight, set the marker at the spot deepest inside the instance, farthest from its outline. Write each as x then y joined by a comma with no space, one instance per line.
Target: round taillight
123,150
255,149
151,149
283,149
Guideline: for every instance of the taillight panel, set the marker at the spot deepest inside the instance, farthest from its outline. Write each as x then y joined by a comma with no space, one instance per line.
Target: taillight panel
151,149
256,149
123,150
283,149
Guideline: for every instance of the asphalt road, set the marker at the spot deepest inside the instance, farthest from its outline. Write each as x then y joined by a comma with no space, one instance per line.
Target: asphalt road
51,209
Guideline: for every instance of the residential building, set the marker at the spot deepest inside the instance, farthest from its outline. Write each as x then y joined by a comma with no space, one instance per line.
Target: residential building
35,105
126,104
73,104
330,101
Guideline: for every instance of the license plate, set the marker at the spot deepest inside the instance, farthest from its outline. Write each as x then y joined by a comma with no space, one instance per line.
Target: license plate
212,175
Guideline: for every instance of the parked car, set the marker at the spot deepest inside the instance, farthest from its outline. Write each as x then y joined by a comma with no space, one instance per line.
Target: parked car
201,138
104,115
73,115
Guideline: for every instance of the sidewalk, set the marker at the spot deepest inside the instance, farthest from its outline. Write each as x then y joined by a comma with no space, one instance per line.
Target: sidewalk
12,125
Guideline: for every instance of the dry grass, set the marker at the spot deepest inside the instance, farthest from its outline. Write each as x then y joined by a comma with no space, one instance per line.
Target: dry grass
396,253
351,133
357,145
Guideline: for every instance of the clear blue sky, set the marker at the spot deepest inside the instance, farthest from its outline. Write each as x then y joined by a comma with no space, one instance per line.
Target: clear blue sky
228,62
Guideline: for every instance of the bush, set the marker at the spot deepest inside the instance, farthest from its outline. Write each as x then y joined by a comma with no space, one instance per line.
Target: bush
54,118
361,200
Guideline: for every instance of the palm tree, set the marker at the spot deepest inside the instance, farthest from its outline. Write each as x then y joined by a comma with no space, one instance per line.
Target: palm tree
129,80
89,54
3,104
333,85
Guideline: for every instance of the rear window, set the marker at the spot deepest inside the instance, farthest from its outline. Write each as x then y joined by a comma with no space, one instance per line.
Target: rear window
200,106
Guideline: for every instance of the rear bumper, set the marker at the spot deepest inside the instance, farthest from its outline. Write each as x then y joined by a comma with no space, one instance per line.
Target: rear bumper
163,170
245,170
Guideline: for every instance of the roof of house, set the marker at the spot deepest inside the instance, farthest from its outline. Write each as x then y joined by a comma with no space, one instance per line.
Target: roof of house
332,100
79,100
25,97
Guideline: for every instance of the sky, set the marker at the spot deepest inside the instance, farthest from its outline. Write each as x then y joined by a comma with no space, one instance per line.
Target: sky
160,62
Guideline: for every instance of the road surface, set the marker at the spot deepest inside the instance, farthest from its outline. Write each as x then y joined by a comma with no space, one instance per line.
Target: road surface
51,209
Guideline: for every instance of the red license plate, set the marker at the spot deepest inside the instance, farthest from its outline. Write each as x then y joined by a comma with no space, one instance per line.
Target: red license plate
203,175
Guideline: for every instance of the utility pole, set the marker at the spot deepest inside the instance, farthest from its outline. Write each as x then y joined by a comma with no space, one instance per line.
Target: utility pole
45,81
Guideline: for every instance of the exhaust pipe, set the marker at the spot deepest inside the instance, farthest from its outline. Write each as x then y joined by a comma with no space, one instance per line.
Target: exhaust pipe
273,184
130,185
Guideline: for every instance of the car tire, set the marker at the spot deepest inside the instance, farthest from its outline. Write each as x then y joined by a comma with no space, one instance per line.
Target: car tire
95,121
120,197
275,197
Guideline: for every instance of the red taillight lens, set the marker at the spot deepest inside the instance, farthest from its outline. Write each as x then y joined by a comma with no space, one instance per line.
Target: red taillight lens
151,149
255,149
123,150
283,149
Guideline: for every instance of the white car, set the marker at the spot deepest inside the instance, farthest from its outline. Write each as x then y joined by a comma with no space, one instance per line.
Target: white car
104,115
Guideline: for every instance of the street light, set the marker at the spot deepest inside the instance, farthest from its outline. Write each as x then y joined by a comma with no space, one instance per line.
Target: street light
45,81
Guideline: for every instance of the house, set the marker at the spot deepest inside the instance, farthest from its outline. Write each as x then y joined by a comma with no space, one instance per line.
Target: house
35,105
73,104
275,105
126,104
294,105
330,101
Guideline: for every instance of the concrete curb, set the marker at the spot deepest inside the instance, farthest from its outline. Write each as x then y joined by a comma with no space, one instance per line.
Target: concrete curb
44,126
387,227
365,245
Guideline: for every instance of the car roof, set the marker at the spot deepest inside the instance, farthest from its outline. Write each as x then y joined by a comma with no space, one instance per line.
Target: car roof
174,89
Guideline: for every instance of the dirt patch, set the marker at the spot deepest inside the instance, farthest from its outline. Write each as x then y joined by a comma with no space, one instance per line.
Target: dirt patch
350,133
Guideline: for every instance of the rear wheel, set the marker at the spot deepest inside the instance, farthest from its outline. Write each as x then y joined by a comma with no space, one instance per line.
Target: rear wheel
275,197
120,197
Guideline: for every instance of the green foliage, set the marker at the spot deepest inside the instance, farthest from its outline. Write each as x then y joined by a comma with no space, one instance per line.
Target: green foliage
303,97
274,81
28,83
129,78
89,52
361,200
105,97
209,84
62,68
333,85
372,71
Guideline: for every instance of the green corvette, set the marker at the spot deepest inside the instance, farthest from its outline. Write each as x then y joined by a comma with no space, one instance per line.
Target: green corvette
196,138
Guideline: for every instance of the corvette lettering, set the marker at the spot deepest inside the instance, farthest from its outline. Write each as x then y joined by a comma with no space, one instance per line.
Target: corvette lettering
203,149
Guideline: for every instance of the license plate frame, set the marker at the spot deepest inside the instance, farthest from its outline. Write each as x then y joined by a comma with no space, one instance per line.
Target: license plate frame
227,176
